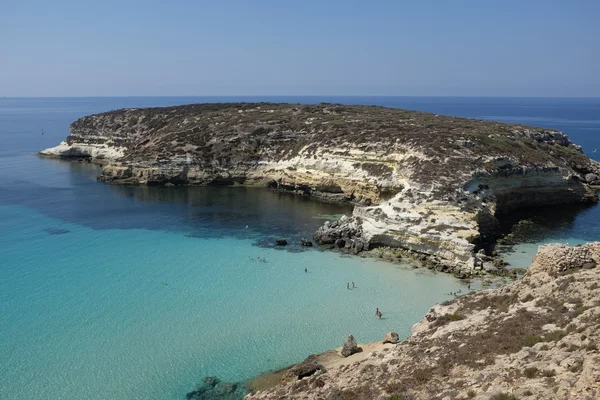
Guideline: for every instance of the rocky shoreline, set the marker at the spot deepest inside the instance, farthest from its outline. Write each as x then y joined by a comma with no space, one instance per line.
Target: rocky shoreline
536,338
432,185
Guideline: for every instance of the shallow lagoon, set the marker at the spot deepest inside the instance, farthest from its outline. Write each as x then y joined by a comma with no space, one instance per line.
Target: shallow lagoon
137,313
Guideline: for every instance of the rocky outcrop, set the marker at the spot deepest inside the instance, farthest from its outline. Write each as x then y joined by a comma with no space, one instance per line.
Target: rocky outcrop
391,337
305,242
536,338
308,367
344,234
427,183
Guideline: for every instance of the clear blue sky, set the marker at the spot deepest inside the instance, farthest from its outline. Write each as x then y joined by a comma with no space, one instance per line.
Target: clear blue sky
302,47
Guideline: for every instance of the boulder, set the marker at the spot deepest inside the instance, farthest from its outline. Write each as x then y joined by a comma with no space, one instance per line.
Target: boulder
465,143
391,337
340,243
490,267
305,242
326,239
591,178
281,242
355,245
350,346
306,368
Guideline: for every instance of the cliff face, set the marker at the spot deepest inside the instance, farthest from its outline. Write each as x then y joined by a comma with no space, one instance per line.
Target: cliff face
424,182
536,338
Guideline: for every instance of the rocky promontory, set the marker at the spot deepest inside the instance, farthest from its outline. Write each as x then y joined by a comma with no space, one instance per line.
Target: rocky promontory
430,184
536,338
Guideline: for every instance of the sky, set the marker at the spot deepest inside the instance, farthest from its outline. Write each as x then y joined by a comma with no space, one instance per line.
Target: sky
307,47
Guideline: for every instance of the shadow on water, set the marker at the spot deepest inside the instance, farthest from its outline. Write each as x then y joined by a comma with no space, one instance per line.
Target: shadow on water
575,222
258,214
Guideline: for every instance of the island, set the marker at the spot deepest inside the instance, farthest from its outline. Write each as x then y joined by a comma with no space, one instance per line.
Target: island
431,185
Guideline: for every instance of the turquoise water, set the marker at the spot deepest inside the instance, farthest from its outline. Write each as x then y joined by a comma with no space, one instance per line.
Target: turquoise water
133,313
138,293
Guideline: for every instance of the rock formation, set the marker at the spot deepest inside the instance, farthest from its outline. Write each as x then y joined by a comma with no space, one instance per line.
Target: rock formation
308,367
431,184
391,337
536,338
350,347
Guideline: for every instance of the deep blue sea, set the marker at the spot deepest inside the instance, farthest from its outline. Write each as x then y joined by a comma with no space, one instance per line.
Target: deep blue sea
123,293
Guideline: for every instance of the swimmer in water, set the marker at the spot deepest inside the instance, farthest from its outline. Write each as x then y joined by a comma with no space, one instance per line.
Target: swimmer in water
305,269
353,285
378,313
347,286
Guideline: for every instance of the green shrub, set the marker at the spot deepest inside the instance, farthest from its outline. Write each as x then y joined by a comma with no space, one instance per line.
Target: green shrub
527,298
422,375
446,318
531,340
548,373
503,396
530,372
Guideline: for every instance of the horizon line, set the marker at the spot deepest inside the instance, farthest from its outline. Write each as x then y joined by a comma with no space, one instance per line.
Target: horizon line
296,96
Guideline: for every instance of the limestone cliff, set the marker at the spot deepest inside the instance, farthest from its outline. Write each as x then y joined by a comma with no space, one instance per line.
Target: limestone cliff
428,183
536,338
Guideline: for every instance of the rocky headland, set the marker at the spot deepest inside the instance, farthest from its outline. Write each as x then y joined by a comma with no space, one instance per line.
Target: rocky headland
536,338
431,185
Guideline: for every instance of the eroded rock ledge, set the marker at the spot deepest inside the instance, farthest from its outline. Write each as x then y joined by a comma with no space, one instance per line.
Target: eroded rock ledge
431,184
536,338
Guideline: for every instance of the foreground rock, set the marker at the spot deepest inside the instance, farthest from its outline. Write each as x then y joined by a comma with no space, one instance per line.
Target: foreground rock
536,338
350,347
391,337
431,184
308,367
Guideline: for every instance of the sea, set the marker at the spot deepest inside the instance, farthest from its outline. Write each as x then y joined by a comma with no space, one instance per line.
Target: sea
111,292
